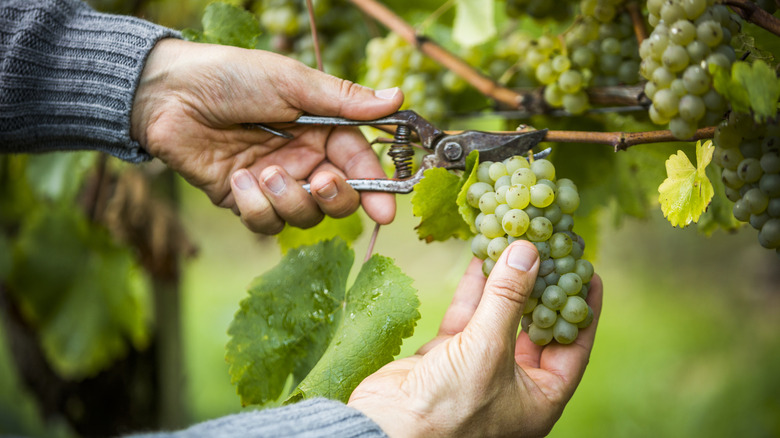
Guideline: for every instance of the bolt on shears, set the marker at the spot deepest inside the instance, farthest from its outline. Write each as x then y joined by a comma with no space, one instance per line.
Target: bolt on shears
446,150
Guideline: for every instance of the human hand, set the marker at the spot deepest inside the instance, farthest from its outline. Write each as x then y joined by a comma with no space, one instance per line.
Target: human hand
477,377
189,111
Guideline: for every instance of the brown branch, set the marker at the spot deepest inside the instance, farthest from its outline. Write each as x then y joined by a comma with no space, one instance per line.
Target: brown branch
623,140
752,12
315,39
447,59
638,20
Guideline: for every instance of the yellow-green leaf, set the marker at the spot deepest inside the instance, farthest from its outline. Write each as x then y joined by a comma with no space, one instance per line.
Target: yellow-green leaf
475,22
686,192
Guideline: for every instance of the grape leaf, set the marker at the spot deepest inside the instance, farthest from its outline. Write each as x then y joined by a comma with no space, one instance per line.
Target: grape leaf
84,293
58,176
294,310
226,24
348,228
686,192
747,88
382,307
467,212
434,201
475,22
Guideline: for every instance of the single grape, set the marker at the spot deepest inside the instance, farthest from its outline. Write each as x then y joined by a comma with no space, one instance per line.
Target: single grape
539,286
553,213
518,196
564,332
710,33
588,319
501,210
568,199
476,191
571,283
543,248
479,246
539,335
496,171
692,108
546,267
565,224
524,176
584,269
539,229
530,305
681,128
488,202
544,316
541,195
768,236
487,266
483,174
564,265
554,297
749,170
504,181
496,247
770,162
515,162
560,245
490,227
675,58
543,169
682,32
770,184
515,222
575,310
666,103
741,211
756,200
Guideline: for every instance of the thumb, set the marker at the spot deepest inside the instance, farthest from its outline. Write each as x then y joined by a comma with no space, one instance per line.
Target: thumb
327,95
508,287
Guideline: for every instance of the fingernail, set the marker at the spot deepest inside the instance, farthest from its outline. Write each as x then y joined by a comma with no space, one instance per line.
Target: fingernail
329,191
387,93
275,183
242,180
521,257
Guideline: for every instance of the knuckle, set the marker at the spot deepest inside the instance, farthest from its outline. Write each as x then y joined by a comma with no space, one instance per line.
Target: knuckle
508,289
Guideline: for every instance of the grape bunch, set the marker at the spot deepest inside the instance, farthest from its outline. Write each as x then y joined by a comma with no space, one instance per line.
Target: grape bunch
391,62
750,157
689,36
518,200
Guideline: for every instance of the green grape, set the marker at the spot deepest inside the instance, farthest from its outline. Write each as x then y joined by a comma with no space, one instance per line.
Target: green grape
561,63
566,182
501,194
774,207
490,227
583,57
755,200
575,310
696,80
730,158
568,199
504,181
533,212
697,51
541,195
681,128
545,73
496,171
483,174
525,177
770,184
488,202
515,222
539,229
682,32
587,321
575,103
546,267
691,108
741,211
571,283
539,335
662,77
577,250
487,266
749,170
758,220
570,81
666,103
530,305
544,316
710,33
564,332
518,196
694,8
553,95
584,269
543,169
565,224
515,162
731,179
565,265
675,58
770,162
539,286
769,235
475,192
543,248
554,297
560,245
479,246
496,247
501,210
553,213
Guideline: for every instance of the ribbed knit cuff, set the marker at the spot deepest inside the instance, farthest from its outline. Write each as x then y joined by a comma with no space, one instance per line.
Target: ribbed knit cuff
315,418
68,77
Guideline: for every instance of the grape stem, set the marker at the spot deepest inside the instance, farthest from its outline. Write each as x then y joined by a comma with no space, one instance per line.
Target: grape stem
752,12
314,38
638,21
621,141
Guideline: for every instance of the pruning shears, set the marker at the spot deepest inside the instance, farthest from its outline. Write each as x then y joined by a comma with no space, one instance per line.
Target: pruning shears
445,150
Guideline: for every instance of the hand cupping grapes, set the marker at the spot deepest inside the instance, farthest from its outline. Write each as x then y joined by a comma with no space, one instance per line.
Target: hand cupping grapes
518,200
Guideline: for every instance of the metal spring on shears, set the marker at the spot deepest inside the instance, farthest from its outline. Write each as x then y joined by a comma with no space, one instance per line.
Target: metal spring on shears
402,152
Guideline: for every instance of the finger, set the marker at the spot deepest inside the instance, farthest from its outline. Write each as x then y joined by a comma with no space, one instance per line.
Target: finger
328,95
334,196
290,201
568,362
507,288
462,307
255,209
348,150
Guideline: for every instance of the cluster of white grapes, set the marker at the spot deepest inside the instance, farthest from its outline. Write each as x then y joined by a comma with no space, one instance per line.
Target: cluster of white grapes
689,36
750,157
391,62
518,200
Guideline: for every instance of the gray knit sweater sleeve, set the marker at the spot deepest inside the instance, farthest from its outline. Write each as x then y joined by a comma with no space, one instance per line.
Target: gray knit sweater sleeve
68,75
316,418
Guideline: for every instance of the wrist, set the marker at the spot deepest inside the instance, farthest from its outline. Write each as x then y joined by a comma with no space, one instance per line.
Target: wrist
394,423
151,90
